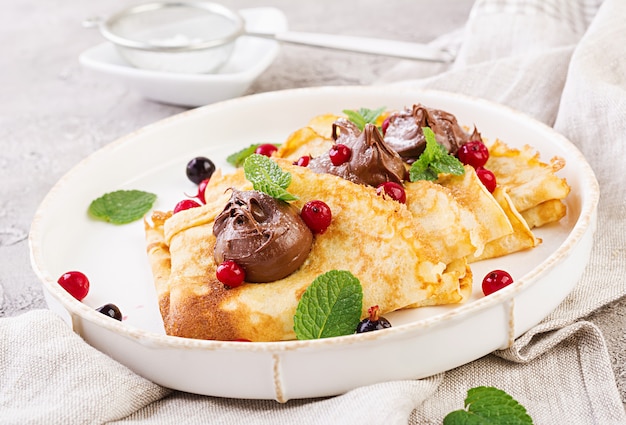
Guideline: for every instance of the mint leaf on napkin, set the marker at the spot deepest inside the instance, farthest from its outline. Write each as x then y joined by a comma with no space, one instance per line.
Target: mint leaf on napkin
330,306
434,160
266,176
122,206
489,406
363,116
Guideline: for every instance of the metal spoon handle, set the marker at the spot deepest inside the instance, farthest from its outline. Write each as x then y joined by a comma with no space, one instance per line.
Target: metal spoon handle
377,46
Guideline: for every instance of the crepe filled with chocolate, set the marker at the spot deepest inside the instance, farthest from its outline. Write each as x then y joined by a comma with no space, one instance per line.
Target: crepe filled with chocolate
406,253
377,239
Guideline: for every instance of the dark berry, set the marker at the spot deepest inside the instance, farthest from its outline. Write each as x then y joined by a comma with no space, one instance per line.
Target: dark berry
316,215
487,178
473,153
185,204
339,154
266,149
76,283
230,274
303,161
496,280
392,189
372,323
200,168
111,310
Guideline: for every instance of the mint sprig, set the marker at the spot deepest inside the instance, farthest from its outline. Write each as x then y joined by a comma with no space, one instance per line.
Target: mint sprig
267,176
363,116
434,160
237,159
489,406
122,206
331,306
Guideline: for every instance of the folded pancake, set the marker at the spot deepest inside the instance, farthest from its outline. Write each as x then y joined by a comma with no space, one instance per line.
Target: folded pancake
530,183
379,240
313,140
472,194
519,239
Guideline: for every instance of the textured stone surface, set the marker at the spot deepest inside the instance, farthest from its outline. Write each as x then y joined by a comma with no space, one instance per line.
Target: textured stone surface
53,113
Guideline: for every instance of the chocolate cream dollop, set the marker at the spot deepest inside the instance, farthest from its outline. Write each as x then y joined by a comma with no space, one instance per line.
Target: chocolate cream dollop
371,161
404,133
263,235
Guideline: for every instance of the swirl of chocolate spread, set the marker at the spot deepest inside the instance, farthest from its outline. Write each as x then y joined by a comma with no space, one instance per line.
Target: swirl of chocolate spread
371,162
404,133
263,235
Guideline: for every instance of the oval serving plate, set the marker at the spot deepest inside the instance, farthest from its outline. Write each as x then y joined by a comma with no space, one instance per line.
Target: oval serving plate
421,343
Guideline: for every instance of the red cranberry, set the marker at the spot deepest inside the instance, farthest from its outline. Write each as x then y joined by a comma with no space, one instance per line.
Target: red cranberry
339,154
303,161
201,189
473,153
316,215
266,149
385,125
496,280
487,178
392,189
185,204
230,274
76,283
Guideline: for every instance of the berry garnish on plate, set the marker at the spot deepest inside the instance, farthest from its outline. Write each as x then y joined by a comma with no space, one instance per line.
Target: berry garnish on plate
473,153
496,280
76,283
316,215
200,168
393,190
266,149
372,323
303,161
487,178
230,274
339,154
110,310
185,204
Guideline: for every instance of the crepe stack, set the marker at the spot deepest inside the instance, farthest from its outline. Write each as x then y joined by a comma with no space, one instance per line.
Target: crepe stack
388,246
405,255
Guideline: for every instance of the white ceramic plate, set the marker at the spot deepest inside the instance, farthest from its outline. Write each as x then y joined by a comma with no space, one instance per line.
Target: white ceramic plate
422,342
250,58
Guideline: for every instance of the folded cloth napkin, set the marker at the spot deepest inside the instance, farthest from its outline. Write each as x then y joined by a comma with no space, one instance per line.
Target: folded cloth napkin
561,62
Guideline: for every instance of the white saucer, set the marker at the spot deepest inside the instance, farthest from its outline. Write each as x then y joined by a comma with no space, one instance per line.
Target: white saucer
250,58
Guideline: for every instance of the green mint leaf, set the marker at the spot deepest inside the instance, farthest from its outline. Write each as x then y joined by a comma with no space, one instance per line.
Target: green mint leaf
363,116
267,176
331,306
434,160
122,206
489,406
448,164
237,159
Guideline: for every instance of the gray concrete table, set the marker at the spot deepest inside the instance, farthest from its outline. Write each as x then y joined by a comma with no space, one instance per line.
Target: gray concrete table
53,113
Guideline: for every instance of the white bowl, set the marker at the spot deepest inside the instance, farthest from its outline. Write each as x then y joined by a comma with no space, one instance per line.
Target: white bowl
249,59
422,342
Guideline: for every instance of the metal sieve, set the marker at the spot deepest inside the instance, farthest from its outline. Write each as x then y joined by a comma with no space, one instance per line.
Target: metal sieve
195,36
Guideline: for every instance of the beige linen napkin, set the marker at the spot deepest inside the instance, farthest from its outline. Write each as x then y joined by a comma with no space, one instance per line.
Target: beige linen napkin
557,60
